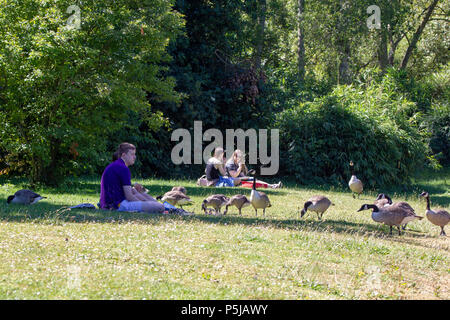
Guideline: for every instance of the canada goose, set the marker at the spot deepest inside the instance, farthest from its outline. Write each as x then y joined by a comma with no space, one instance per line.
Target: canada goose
239,201
216,201
355,184
392,215
382,200
181,189
439,218
318,204
258,199
25,196
175,198
385,200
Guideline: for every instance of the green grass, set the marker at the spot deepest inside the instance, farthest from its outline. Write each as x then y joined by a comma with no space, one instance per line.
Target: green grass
50,252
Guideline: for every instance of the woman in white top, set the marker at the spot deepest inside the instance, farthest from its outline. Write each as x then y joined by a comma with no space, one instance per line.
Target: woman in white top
237,169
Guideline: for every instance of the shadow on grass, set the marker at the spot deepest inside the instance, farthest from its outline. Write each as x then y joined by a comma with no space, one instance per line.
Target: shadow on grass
54,214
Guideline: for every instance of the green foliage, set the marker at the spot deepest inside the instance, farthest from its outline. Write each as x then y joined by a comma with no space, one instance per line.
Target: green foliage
438,123
64,90
369,126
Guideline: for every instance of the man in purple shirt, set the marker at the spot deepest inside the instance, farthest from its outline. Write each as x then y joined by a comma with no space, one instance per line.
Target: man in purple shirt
116,191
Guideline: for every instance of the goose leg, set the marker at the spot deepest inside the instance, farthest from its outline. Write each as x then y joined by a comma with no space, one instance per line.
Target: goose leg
442,232
404,226
256,212
390,230
264,212
399,231
240,213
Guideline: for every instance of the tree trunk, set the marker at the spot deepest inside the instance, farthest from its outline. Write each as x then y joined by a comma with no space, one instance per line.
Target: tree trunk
301,44
417,34
344,66
260,35
382,51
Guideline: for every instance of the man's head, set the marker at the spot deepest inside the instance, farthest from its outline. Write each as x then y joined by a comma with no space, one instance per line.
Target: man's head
127,152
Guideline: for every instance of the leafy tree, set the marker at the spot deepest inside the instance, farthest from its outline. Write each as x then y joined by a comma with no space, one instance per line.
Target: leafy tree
63,89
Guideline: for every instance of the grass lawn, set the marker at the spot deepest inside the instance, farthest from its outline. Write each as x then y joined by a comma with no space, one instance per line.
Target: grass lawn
50,252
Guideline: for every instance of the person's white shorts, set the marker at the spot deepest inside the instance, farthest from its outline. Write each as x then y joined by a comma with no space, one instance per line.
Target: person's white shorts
126,205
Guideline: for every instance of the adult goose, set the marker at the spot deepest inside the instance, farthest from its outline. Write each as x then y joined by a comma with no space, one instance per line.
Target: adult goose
258,199
239,201
392,215
355,185
439,218
175,198
318,204
24,196
216,201
385,200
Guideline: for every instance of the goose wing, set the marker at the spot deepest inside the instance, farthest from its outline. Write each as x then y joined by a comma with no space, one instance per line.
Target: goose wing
404,205
395,215
443,216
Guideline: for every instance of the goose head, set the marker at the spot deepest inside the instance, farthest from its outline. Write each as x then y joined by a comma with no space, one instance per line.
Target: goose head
305,208
367,207
10,198
384,196
424,194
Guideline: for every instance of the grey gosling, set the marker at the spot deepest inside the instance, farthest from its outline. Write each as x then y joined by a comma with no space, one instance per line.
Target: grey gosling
239,201
216,201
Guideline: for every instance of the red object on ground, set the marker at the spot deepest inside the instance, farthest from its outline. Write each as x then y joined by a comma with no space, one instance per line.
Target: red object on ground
249,184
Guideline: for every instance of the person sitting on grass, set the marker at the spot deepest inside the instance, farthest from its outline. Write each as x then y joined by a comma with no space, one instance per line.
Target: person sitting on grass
116,190
236,169
215,171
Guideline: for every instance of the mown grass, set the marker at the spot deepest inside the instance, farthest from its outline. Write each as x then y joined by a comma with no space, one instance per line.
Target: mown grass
50,252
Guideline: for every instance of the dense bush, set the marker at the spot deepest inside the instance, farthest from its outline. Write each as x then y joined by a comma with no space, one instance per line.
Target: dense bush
369,127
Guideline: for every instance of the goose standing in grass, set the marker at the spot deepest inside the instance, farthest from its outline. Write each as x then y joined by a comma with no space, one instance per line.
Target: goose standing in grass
25,196
385,200
216,201
439,218
258,199
318,204
239,201
393,215
355,184
175,198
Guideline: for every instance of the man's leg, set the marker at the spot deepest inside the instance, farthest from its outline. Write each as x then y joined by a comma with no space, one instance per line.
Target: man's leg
152,207
142,206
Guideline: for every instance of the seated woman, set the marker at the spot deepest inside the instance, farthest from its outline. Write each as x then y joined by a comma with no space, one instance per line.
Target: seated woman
237,169
215,170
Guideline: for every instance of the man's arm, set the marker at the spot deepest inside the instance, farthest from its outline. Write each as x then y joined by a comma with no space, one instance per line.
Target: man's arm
236,173
129,195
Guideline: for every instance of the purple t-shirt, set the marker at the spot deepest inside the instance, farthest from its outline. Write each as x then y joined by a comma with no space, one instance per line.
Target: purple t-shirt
115,176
